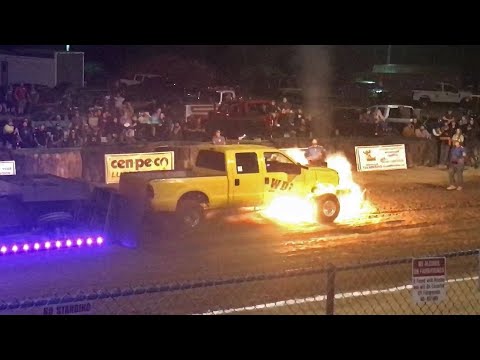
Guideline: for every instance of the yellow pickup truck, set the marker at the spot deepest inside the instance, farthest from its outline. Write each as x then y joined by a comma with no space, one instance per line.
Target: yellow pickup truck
228,176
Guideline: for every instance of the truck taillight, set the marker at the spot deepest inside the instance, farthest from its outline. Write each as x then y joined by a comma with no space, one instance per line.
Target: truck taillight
150,192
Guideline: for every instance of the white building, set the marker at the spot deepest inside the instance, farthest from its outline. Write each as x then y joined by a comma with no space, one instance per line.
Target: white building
42,67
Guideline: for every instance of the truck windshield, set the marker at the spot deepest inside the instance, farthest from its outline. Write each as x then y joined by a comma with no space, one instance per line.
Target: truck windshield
210,96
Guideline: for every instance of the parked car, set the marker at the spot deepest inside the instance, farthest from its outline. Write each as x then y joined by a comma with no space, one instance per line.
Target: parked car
442,93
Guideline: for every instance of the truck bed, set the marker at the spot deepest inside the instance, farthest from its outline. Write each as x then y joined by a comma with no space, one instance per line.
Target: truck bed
133,185
162,174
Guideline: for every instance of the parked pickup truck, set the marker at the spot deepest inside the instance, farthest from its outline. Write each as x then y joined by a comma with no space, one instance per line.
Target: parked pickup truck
231,176
137,79
441,93
207,101
242,118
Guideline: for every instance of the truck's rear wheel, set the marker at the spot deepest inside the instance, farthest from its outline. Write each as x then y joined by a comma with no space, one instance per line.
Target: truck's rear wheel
59,220
328,208
190,214
424,102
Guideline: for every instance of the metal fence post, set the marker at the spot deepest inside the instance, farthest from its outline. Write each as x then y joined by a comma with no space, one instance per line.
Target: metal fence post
331,271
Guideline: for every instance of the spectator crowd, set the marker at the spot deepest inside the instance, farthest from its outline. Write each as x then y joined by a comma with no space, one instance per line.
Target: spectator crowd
115,122
18,100
285,120
446,131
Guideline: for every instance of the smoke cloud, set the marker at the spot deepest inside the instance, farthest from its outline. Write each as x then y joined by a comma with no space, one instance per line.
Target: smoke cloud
316,74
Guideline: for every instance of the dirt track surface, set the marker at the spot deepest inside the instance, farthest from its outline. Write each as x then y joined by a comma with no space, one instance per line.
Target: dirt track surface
415,216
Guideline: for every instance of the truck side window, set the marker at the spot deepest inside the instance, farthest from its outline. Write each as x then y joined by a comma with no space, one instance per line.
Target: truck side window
450,88
247,163
212,160
395,113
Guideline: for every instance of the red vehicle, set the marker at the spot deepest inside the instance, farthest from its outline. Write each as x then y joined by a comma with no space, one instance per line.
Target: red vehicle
249,118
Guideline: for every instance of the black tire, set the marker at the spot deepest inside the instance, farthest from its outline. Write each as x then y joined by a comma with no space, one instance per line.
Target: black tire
328,208
190,215
55,220
425,102
465,103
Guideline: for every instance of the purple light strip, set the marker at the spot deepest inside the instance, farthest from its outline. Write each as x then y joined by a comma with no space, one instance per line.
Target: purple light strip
46,245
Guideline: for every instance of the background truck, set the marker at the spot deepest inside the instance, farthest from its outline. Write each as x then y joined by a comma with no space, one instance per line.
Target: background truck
137,79
229,176
207,101
396,114
243,118
441,93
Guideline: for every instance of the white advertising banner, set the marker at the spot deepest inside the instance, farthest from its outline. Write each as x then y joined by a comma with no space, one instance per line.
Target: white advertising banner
381,157
7,168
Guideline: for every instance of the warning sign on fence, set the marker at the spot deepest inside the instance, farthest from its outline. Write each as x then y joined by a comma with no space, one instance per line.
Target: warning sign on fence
68,309
429,279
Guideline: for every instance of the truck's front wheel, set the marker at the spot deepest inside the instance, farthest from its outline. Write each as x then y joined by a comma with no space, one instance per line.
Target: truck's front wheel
464,103
328,208
190,214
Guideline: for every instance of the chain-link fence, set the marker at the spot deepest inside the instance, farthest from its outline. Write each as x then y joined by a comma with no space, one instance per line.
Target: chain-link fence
449,287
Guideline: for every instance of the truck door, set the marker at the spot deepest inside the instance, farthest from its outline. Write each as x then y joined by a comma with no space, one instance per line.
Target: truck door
451,94
437,94
246,180
282,175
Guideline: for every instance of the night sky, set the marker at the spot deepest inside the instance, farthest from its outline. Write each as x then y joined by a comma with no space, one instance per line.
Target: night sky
117,57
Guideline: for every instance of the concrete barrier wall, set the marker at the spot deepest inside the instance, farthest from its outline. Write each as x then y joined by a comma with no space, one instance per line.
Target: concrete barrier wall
89,163
61,162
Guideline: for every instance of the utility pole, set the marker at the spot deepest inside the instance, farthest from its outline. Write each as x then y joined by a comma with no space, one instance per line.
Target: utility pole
389,53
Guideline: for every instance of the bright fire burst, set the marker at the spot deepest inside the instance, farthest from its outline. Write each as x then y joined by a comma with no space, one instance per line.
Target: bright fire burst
293,209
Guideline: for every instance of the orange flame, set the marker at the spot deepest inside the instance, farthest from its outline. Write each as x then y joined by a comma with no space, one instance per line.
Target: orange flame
295,209
353,205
